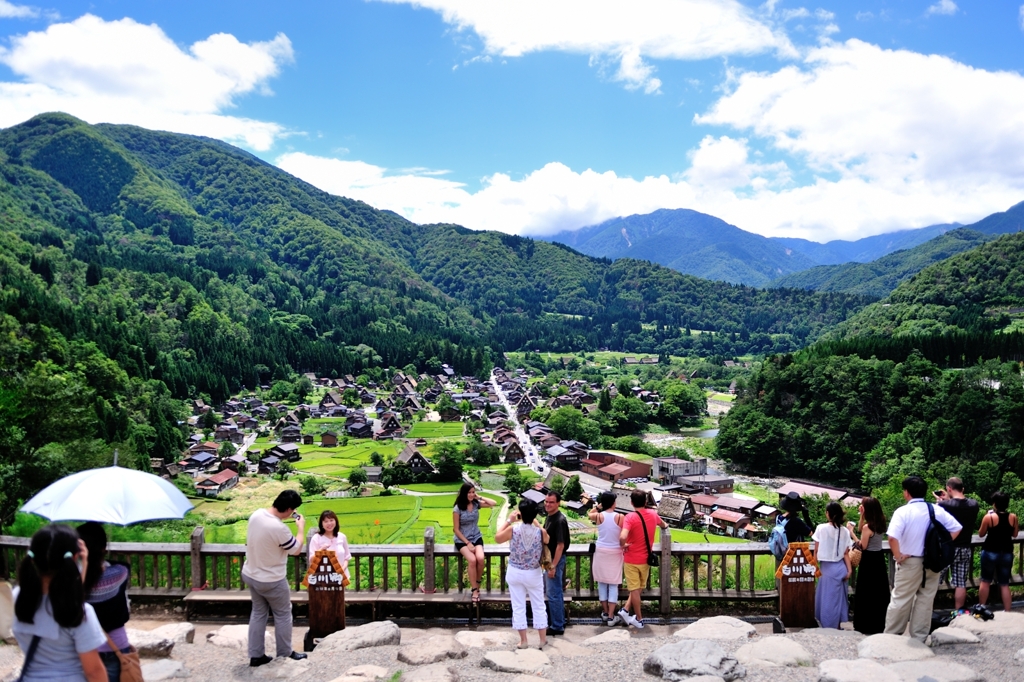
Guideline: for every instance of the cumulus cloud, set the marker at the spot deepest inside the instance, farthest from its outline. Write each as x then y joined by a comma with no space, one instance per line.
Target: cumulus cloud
889,139
945,7
127,72
630,33
9,10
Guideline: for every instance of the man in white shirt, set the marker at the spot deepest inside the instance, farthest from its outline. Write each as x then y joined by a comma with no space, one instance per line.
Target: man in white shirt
914,588
268,543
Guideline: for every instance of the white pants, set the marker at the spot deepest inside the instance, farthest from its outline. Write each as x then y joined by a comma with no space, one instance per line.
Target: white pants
522,585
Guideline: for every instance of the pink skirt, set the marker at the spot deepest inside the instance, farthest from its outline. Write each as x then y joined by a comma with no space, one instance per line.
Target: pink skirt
607,565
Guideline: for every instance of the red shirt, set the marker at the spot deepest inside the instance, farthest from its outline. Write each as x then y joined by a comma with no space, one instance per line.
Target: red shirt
636,552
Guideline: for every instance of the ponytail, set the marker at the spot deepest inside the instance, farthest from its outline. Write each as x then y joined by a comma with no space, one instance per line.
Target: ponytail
53,551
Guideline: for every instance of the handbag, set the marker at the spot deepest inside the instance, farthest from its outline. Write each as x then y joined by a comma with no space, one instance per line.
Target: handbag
855,553
131,667
652,558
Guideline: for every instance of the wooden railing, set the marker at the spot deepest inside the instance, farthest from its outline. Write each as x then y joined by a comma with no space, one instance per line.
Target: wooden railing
720,572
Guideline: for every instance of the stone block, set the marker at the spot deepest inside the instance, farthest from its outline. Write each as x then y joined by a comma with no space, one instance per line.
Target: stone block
528,661
379,633
893,648
692,658
431,650
150,644
774,651
943,636
718,627
858,670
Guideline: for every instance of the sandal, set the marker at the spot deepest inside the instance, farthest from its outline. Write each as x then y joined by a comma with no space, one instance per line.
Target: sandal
475,595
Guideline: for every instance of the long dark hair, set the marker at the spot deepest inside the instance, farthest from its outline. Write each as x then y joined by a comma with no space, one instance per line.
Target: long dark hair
462,501
328,514
52,553
874,517
95,539
836,514
607,500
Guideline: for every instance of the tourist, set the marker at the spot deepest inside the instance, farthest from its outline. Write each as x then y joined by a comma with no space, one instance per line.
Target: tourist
914,587
832,543
524,574
606,563
469,541
55,627
558,541
106,588
268,543
329,537
637,541
798,521
999,528
872,596
965,511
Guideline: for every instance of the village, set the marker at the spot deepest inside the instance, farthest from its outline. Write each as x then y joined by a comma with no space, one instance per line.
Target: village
361,440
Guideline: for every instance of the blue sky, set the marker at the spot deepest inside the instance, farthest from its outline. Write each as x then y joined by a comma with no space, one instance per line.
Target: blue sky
822,120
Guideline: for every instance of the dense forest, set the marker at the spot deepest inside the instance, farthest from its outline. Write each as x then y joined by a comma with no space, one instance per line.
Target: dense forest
927,381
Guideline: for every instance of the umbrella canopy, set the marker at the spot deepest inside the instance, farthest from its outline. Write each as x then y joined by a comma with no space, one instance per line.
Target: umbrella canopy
109,495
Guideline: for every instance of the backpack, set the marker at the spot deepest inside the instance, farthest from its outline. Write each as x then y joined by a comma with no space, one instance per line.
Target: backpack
938,544
777,541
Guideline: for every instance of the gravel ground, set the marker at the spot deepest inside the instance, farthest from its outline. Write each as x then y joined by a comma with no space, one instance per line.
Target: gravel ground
993,658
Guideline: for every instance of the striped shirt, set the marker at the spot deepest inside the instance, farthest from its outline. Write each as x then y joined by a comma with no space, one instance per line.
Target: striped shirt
268,543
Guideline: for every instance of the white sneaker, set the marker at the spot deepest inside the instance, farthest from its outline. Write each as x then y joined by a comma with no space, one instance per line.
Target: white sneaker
615,620
629,619
604,618
639,623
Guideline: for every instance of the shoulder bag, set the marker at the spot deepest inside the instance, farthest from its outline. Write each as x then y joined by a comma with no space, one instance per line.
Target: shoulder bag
652,558
131,667
29,655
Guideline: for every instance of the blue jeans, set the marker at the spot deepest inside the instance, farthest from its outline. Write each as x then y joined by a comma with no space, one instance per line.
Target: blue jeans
553,589
113,664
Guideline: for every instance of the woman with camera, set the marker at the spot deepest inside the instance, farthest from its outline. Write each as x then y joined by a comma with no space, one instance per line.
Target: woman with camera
525,576
999,528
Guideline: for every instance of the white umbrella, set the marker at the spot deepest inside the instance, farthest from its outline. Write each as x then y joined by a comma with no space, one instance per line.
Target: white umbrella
109,495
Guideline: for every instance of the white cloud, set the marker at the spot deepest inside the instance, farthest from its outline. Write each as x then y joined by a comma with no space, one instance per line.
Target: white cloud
628,33
9,10
890,139
126,72
945,7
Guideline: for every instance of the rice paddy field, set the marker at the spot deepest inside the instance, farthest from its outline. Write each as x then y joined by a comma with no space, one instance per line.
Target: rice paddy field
436,430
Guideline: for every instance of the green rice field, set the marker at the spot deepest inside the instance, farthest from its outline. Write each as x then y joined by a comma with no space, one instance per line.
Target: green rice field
436,430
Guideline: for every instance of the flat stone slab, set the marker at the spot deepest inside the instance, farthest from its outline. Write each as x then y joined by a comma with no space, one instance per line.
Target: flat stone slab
368,671
378,633
718,627
529,678
893,648
615,635
431,649
163,669
529,661
940,670
1019,656
858,670
692,658
237,637
152,645
487,640
561,647
943,636
777,650
1004,623
6,611
436,672
281,669
179,633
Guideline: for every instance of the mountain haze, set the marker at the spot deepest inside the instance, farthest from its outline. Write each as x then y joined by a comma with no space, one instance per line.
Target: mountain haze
863,250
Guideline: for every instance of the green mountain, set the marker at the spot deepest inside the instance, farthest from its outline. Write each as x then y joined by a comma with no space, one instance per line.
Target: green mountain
866,249
140,268
690,242
926,382
878,278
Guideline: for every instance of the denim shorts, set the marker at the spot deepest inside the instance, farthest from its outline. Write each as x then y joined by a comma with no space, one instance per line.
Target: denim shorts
996,567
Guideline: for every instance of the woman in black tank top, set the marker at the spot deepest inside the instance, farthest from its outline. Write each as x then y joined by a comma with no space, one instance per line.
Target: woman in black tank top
999,528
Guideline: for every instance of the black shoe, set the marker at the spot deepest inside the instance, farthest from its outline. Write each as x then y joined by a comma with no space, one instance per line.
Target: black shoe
555,633
257,662
296,656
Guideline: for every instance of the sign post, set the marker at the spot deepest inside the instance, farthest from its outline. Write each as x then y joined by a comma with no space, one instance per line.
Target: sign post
796,574
325,580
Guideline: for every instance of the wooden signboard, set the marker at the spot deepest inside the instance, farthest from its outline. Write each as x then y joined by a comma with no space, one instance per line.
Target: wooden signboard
325,580
796,574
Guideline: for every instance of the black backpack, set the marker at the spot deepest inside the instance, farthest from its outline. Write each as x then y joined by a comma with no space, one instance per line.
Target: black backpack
938,545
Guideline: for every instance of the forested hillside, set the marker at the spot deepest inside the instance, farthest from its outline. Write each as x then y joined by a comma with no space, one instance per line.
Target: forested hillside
878,278
928,381
140,268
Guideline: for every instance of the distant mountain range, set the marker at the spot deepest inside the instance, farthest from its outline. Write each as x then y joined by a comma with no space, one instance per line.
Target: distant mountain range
698,244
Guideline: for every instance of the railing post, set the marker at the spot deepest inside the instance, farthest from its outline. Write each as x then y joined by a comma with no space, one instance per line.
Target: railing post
198,565
665,572
428,560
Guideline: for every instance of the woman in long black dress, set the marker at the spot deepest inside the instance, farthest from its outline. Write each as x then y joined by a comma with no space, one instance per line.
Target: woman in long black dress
872,596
